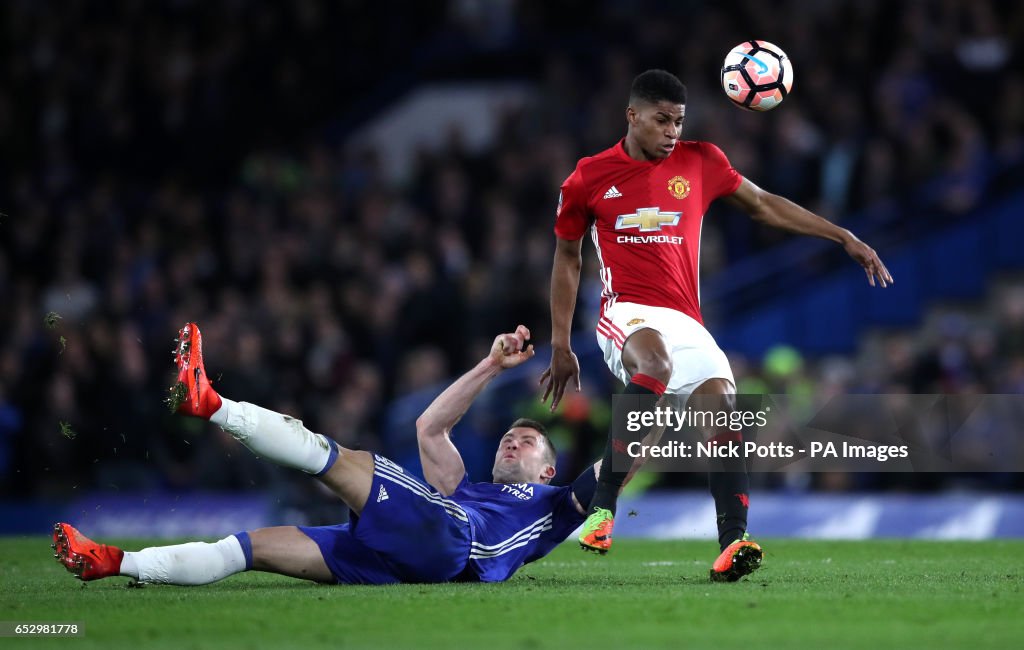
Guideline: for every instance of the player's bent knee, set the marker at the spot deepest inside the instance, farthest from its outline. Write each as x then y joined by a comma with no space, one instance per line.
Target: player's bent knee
351,477
646,353
659,368
654,364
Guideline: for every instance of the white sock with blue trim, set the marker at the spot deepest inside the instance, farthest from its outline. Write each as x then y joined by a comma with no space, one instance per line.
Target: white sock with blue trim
278,437
194,563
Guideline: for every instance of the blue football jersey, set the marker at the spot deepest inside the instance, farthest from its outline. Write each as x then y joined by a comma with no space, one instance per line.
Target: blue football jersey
514,524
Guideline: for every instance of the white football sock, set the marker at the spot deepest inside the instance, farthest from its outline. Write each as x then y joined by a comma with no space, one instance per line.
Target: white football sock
194,563
278,437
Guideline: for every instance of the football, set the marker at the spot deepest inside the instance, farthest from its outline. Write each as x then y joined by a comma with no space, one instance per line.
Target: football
757,75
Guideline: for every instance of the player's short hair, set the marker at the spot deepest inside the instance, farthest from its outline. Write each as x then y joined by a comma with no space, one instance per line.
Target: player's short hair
656,86
552,454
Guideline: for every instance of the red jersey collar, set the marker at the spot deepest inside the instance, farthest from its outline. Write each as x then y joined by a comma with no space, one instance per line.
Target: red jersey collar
620,150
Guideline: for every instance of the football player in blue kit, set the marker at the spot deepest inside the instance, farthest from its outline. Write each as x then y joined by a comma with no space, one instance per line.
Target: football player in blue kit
401,529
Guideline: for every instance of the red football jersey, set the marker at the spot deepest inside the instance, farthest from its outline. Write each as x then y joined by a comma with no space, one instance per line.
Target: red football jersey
645,219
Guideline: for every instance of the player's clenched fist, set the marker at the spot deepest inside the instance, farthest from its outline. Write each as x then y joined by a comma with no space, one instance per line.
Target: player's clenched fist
508,351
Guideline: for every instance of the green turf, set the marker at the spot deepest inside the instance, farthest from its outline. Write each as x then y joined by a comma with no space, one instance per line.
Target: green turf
871,594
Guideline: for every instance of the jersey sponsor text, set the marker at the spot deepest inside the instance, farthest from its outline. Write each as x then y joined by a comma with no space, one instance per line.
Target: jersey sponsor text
649,239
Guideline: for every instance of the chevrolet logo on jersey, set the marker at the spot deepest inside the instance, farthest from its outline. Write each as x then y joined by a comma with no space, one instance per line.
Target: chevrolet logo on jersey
647,220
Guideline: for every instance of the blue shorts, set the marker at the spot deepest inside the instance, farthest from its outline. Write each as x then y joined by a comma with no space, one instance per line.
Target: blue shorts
407,532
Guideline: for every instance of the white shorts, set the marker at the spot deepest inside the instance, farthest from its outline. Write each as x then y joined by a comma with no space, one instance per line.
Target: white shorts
695,355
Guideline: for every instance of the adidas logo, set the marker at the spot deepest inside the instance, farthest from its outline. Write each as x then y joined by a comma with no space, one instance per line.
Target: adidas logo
612,193
382,495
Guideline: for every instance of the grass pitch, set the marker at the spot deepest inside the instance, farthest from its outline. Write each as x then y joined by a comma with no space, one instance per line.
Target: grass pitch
645,594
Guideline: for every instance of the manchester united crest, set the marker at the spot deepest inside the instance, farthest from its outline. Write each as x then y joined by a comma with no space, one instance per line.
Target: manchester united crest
679,187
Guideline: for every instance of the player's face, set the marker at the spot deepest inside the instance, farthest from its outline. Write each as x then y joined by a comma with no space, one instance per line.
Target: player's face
522,458
654,128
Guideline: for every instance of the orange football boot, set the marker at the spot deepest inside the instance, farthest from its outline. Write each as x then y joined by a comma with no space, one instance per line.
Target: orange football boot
740,558
192,394
597,531
84,557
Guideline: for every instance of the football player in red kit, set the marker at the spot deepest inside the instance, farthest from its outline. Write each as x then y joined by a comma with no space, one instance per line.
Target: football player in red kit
643,201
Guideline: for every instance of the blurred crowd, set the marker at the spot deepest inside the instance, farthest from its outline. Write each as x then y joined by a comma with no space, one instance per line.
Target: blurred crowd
188,160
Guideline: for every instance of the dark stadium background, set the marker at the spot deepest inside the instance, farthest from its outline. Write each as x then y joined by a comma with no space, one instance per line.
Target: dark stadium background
211,161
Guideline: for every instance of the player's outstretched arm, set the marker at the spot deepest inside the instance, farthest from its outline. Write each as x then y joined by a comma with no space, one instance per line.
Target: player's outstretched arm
442,464
780,212
565,283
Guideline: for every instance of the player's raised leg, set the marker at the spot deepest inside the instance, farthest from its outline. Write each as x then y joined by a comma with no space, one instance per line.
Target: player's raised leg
271,435
730,485
284,550
646,358
268,434
350,477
